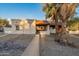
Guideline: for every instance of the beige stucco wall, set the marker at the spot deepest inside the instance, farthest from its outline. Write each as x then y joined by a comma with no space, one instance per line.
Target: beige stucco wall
28,28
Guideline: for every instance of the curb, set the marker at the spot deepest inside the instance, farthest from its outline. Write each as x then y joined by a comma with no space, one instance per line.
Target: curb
4,35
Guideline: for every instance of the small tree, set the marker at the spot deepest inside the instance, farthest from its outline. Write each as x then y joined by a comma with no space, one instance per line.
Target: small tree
4,22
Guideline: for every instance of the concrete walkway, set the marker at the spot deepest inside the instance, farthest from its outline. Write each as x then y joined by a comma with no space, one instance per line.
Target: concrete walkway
33,48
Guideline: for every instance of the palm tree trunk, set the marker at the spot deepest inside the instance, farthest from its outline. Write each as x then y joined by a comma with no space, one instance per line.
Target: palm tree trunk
63,36
56,27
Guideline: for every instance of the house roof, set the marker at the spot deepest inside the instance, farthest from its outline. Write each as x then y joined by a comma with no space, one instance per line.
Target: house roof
41,22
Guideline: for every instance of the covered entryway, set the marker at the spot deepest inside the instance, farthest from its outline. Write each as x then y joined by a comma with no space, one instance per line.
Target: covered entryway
42,26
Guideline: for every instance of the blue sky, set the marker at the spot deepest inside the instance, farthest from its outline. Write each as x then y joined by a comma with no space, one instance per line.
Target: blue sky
77,12
21,10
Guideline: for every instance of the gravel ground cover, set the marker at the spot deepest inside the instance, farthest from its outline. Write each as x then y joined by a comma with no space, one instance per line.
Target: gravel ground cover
49,47
14,44
77,35
1,33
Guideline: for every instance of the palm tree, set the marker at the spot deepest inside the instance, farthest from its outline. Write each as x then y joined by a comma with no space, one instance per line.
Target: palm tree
65,12
60,12
51,11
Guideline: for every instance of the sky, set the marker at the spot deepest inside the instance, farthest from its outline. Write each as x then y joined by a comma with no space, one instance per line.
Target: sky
22,10
77,12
